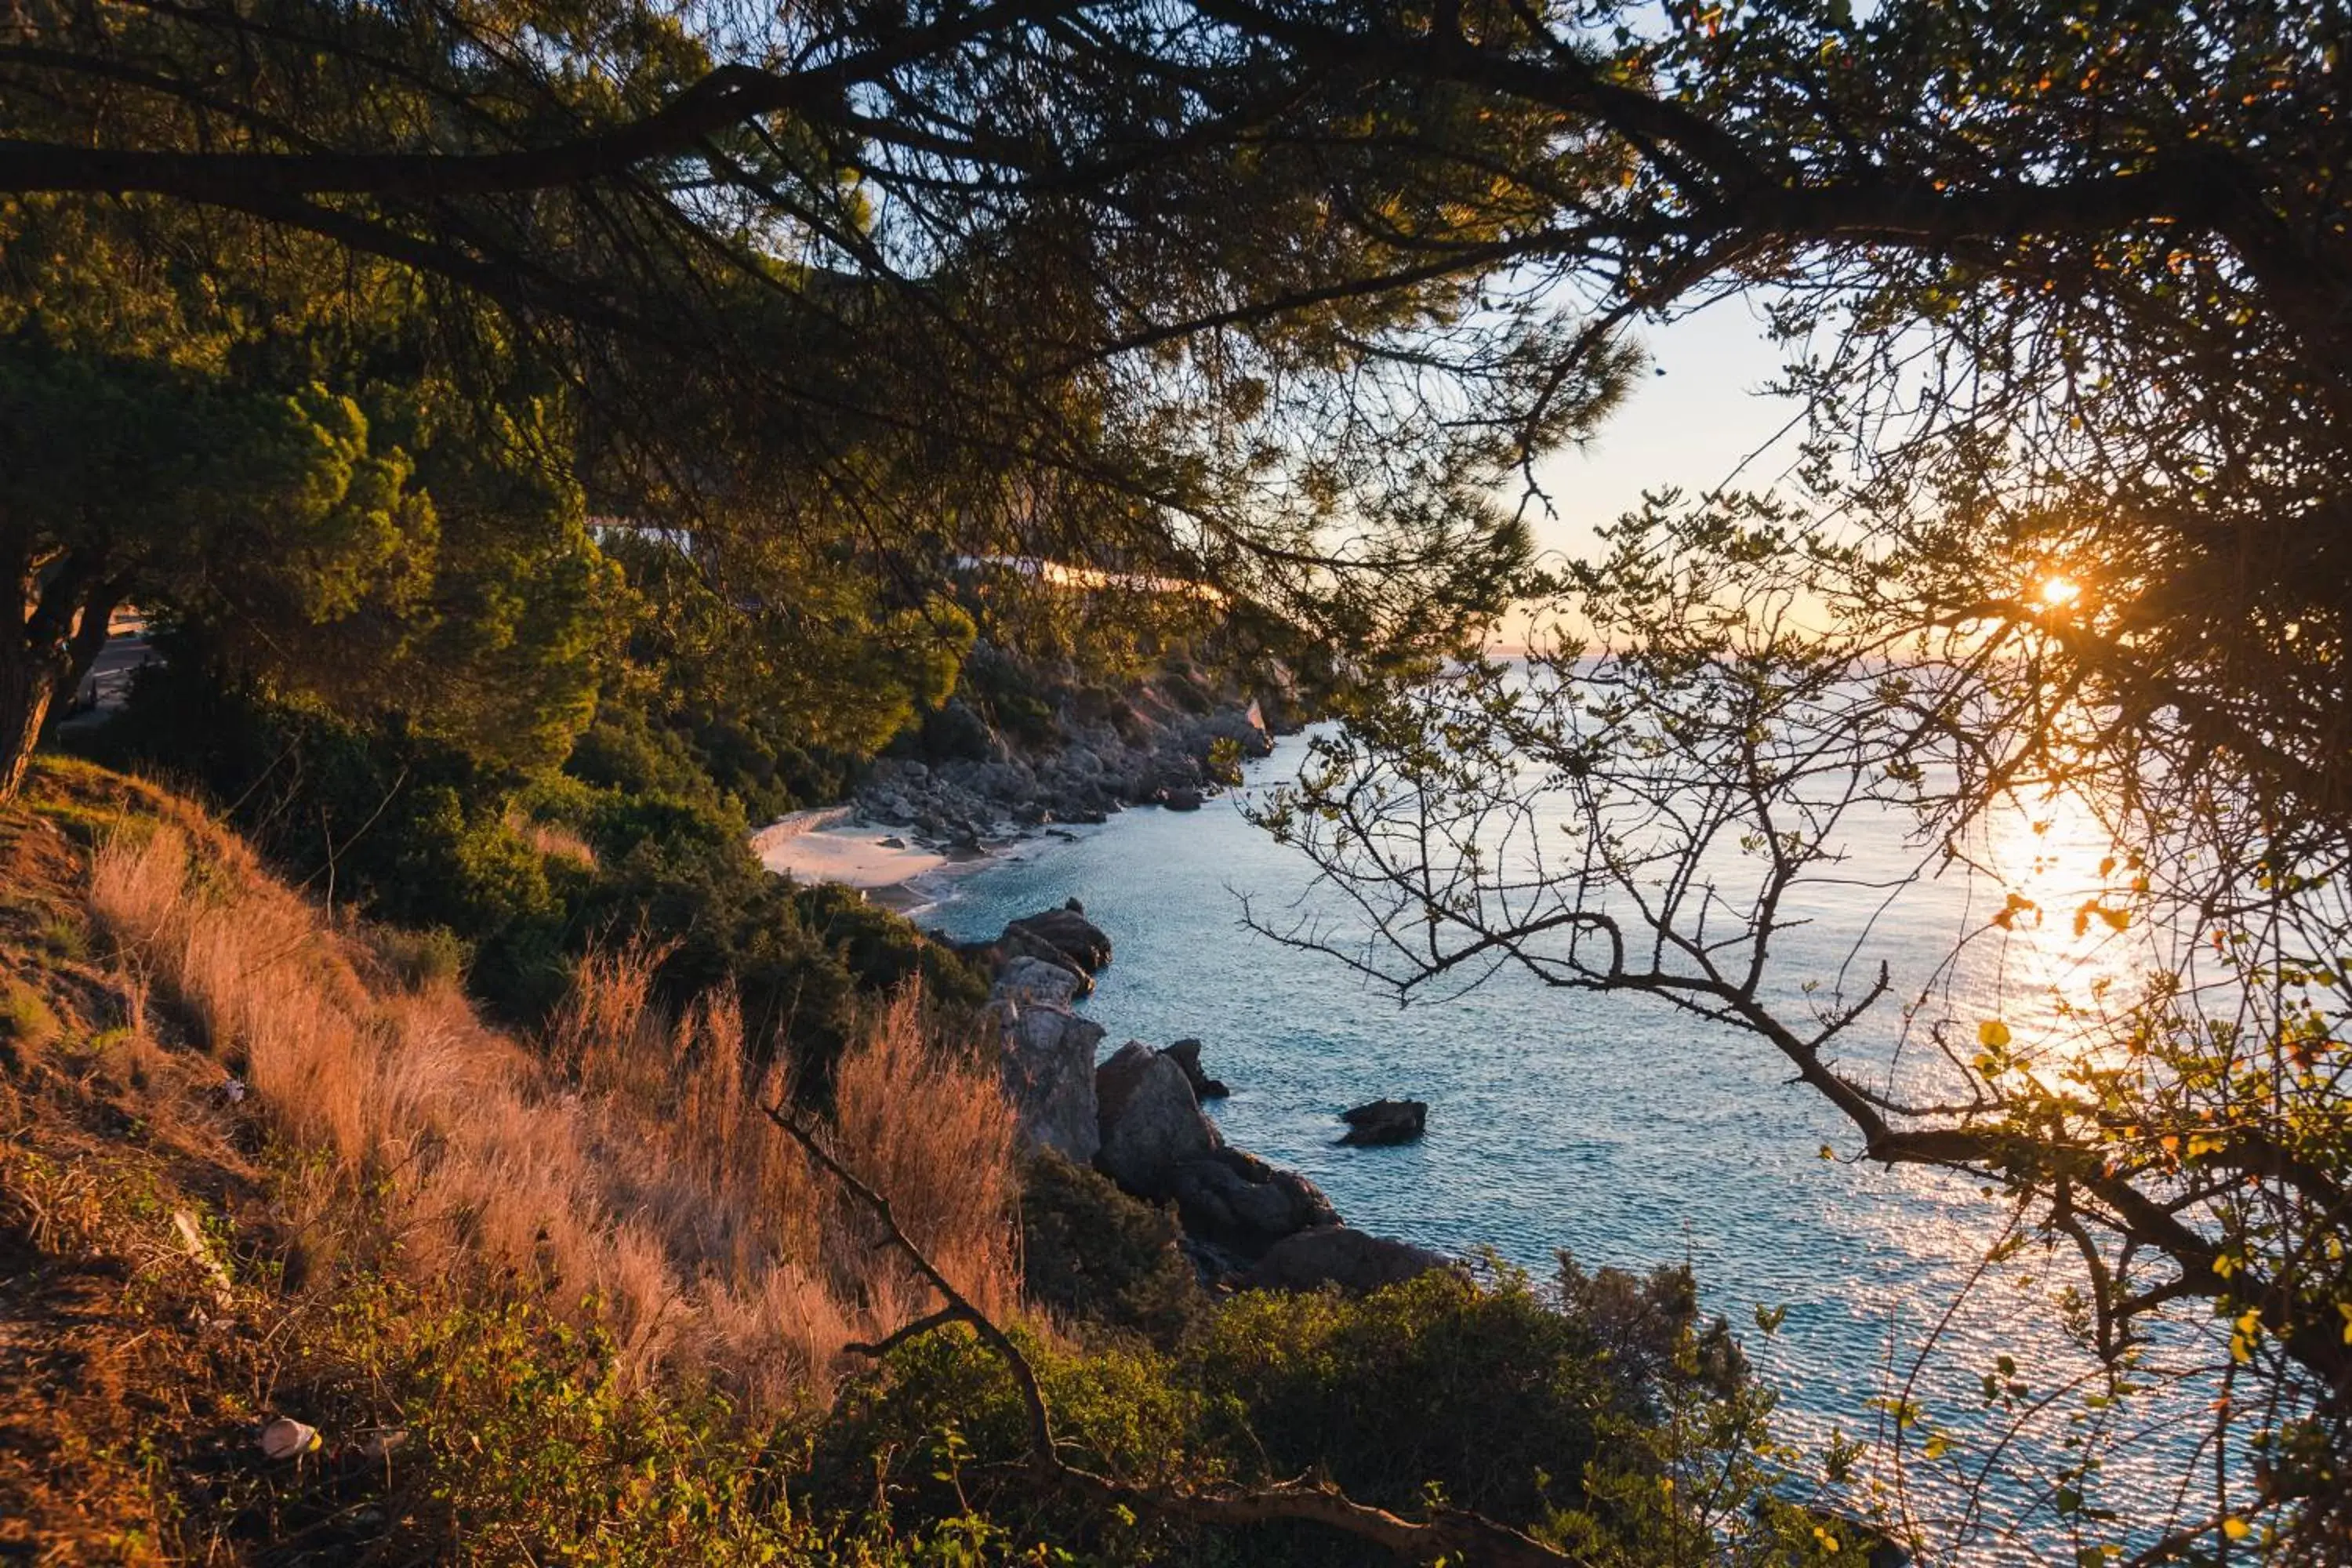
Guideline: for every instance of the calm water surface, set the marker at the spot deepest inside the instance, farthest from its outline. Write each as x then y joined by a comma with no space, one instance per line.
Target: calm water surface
1613,1127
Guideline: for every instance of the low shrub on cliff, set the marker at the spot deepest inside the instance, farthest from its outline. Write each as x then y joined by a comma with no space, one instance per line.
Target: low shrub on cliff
1101,1262
1491,1395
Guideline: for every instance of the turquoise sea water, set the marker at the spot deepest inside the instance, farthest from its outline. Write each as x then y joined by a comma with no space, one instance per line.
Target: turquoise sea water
1614,1127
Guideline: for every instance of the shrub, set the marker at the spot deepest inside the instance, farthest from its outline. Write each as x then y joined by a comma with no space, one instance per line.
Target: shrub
1224,760
1480,1391
1009,691
1491,1396
935,1430
26,1021
1098,1258
421,959
883,951
954,732
521,1430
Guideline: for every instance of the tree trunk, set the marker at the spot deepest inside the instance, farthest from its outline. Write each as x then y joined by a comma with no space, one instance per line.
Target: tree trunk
81,652
43,657
28,682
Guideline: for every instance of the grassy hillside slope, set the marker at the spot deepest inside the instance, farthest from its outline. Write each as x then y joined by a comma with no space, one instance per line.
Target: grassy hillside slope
572,1298
249,1167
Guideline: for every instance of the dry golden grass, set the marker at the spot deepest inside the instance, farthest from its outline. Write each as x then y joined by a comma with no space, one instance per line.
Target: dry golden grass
553,839
627,1169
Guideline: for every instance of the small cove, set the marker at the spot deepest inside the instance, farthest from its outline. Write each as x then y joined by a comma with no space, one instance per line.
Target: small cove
1621,1130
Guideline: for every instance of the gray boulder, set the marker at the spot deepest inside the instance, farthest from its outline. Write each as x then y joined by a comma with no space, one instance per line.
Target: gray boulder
1149,1121
1048,1064
1385,1122
1069,932
1339,1255
1021,945
1240,1203
1029,981
1186,1054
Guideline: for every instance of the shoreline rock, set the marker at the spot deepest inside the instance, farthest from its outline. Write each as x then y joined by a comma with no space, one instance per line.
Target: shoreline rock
1150,749
1234,1200
1354,1260
1137,1118
1046,1057
1149,1122
1384,1122
1157,1145
1186,1054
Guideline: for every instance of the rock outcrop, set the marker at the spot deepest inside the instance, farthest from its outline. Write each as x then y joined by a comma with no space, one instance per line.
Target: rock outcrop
1186,1054
1029,981
1157,1145
1063,938
1159,744
1339,1255
1149,1124
1385,1122
1137,1118
1237,1202
1065,932
1046,1058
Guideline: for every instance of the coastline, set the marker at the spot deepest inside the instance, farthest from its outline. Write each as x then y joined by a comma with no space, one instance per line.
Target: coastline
829,843
912,828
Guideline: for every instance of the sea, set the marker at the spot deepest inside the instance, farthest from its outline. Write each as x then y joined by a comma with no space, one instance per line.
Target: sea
1631,1134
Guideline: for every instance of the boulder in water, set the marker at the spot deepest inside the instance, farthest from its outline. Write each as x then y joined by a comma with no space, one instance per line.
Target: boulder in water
1065,931
1385,1122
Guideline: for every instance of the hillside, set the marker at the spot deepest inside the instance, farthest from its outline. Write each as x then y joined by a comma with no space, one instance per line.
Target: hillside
253,1169
301,1261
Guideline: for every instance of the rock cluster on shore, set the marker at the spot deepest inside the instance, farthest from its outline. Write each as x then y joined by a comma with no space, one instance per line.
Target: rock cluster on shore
1157,753
1137,1118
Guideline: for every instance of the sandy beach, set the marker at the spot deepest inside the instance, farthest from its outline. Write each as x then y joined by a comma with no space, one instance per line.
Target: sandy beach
820,846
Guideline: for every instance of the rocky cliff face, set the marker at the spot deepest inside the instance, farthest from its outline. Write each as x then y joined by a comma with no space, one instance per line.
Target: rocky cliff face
1156,746
1136,1116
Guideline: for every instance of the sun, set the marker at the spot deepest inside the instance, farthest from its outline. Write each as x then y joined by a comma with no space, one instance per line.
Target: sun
2056,592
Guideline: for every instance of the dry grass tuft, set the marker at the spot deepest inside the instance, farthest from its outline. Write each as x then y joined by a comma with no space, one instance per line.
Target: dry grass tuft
553,840
626,1171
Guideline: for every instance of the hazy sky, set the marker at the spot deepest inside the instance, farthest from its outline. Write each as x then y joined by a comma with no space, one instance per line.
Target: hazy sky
1690,427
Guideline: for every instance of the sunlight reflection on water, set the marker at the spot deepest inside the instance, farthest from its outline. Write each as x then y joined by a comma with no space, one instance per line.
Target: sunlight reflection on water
1632,1134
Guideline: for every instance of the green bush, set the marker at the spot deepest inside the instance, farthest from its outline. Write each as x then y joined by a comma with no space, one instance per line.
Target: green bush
1481,1391
421,959
522,1442
27,1023
1101,1260
941,1429
1489,1394
1009,692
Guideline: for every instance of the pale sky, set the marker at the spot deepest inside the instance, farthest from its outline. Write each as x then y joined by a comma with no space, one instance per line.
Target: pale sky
1691,427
